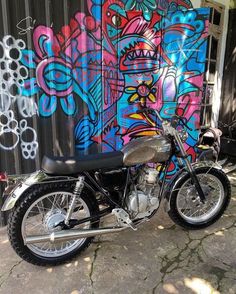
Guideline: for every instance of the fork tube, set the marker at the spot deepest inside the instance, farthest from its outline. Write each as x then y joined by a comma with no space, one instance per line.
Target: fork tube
190,168
164,178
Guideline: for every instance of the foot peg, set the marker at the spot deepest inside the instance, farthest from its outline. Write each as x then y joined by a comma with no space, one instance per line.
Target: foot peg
123,218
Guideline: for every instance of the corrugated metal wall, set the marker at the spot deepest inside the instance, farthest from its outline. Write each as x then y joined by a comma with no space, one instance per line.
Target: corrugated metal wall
73,73
20,121
228,106
54,134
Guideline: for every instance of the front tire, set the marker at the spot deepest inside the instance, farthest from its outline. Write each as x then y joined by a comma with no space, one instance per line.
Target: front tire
37,197
186,208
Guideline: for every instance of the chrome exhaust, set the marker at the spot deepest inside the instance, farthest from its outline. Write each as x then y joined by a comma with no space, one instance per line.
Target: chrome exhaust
67,235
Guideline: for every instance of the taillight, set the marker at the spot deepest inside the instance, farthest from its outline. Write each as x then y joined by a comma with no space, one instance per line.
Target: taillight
3,177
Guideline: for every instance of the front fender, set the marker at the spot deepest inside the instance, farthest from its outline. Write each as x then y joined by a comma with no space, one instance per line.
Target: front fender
178,177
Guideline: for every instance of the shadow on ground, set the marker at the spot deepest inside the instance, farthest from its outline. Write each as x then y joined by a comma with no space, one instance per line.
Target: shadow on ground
159,258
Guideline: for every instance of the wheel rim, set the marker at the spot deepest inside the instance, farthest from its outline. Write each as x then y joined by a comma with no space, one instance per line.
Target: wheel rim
46,211
189,204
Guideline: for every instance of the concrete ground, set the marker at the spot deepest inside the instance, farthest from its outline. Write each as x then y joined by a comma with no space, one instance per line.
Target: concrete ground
159,258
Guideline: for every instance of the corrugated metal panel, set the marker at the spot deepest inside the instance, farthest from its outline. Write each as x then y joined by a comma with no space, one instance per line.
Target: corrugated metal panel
20,124
73,73
228,106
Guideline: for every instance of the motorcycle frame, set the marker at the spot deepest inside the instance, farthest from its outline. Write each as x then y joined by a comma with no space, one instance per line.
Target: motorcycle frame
41,178
18,185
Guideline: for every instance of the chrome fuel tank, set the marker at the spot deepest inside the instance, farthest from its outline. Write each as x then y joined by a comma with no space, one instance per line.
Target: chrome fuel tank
150,149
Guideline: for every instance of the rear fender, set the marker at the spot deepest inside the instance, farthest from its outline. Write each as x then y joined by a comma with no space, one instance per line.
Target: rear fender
179,176
17,186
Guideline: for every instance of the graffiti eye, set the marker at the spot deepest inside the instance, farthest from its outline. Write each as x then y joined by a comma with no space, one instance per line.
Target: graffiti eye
116,20
108,13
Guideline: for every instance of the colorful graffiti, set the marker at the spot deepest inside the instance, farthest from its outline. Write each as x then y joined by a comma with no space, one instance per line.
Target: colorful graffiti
119,56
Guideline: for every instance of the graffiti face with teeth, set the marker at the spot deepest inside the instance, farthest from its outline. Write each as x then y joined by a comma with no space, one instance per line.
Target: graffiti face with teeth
139,54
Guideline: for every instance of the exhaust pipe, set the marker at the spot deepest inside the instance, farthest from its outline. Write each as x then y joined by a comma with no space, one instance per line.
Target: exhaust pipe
67,235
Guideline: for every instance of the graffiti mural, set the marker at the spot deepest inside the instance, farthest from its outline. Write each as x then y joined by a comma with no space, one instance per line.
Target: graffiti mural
12,78
163,68
111,59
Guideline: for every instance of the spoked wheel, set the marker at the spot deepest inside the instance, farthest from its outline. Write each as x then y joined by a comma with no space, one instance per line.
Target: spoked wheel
186,208
41,212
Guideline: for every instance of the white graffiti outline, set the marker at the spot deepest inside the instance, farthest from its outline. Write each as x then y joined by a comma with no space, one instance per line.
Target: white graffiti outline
5,103
12,77
28,149
2,52
11,126
25,25
27,106
12,73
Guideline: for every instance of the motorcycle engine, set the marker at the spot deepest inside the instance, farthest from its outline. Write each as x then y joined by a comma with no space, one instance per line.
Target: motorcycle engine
143,200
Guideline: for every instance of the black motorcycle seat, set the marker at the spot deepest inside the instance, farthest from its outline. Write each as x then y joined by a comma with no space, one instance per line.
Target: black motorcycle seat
74,165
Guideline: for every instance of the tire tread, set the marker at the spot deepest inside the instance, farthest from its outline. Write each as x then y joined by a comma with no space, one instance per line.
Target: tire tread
18,212
177,219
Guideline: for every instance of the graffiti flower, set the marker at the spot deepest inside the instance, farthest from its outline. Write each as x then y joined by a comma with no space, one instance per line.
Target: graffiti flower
54,74
141,93
146,6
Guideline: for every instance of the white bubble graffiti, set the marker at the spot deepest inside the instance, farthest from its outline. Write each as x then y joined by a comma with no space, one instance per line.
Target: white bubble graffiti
29,149
9,129
12,74
12,77
27,107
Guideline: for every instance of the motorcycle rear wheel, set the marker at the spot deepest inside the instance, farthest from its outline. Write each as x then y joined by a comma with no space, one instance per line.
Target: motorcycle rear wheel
28,213
188,211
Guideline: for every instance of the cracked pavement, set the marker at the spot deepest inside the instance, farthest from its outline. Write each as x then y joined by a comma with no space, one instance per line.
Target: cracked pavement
158,258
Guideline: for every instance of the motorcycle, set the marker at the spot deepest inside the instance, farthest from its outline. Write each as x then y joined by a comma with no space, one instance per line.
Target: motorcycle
58,210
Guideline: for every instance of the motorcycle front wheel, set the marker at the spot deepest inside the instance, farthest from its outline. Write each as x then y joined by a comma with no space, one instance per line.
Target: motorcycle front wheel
36,213
186,208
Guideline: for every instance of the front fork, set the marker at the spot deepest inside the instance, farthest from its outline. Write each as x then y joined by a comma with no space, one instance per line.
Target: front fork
191,170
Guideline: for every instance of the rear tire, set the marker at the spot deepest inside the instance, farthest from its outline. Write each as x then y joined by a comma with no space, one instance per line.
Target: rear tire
26,201
184,221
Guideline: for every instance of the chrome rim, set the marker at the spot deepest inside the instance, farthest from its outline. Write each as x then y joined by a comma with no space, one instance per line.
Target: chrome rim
189,204
43,214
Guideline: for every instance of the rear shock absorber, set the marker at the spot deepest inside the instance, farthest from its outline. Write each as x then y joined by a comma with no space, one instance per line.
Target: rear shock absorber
76,194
